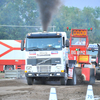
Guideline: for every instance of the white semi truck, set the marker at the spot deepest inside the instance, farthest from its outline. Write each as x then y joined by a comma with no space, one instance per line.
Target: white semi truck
46,57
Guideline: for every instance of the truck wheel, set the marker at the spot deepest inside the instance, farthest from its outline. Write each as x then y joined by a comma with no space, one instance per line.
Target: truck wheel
98,77
92,76
92,80
97,73
63,81
29,80
74,78
79,79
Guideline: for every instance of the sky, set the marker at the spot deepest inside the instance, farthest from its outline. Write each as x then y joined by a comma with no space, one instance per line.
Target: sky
82,3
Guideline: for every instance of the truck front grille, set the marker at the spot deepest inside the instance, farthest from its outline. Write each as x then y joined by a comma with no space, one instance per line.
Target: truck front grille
44,61
44,68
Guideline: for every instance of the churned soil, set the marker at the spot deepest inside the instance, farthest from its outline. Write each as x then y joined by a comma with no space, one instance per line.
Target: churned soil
17,89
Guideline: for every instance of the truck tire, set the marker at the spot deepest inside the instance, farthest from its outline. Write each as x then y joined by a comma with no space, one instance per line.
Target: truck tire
63,81
79,77
92,80
74,80
92,76
97,73
97,77
29,80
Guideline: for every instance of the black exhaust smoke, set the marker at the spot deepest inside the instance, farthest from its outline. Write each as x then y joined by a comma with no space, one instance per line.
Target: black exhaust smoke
47,8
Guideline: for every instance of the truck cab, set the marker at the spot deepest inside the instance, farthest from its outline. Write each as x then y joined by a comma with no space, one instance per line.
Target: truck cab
78,42
46,57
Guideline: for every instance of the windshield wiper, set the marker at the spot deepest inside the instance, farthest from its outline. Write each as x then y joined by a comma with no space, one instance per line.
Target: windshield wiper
33,48
43,61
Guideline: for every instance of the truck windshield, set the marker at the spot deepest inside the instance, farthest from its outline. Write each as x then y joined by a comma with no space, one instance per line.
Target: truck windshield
78,41
43,44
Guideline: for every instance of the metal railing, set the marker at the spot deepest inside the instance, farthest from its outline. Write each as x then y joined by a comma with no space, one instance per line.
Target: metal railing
18,73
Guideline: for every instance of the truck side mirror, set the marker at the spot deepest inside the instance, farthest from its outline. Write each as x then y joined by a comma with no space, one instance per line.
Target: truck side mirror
22,45
67,43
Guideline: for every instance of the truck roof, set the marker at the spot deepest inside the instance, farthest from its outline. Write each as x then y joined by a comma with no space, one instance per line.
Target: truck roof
46,34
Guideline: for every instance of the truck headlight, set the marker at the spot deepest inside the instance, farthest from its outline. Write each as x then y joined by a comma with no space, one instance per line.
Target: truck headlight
28,67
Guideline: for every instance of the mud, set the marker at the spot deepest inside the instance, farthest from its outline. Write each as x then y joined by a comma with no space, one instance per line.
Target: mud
17,89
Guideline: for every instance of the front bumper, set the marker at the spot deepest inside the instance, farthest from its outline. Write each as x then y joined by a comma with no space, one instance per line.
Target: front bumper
49,74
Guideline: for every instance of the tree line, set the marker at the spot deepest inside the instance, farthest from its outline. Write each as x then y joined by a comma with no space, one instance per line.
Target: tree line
26,13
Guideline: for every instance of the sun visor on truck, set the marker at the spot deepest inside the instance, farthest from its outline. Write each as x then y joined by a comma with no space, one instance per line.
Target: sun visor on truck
43,35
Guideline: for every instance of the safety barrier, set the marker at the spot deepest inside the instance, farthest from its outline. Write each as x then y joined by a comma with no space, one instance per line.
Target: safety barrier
18,73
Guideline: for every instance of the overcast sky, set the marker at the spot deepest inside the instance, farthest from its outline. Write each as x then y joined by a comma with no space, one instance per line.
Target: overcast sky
82,3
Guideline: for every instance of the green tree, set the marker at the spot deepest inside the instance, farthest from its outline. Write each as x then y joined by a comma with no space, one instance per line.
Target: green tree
80,19
26,12
18,12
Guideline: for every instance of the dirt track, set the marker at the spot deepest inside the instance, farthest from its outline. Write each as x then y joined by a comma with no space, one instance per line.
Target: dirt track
17,89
